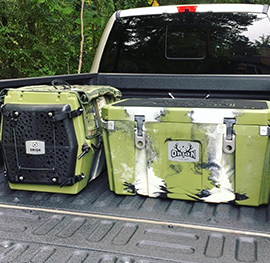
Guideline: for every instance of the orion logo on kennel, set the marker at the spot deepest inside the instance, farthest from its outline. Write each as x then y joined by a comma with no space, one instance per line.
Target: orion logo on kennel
35,147
183,151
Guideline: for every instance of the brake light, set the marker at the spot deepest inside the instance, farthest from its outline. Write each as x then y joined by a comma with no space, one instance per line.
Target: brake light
187,8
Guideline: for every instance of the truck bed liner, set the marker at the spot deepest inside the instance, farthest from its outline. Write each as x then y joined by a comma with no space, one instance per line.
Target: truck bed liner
99,226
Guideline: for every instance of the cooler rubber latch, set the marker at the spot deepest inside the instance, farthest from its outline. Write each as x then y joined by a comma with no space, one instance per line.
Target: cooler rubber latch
229,137
139,132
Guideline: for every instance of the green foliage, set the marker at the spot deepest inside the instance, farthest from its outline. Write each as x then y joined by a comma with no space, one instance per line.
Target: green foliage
42,37
39,37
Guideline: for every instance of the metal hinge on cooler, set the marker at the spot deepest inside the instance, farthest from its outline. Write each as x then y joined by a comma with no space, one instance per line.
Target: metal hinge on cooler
229,137
139,132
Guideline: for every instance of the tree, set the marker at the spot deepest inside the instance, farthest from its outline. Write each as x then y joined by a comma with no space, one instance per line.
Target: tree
82,38
39,37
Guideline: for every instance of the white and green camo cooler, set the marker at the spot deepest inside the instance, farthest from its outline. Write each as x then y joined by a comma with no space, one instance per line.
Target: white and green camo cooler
202,150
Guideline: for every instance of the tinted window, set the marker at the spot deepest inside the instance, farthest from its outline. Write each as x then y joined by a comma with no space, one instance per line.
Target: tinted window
185,42
189,43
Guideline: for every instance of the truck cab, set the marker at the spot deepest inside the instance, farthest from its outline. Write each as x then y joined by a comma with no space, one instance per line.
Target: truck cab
190,39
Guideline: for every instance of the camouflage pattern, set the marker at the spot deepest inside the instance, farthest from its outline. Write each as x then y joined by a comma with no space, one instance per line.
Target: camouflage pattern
186,154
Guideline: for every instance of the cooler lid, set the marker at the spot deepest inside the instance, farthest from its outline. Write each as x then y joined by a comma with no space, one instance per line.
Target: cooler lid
252,112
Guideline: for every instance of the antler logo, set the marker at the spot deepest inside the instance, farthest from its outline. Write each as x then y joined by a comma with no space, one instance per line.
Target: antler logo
183,151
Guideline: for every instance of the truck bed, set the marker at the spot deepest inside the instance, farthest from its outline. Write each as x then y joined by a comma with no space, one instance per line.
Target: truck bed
99,226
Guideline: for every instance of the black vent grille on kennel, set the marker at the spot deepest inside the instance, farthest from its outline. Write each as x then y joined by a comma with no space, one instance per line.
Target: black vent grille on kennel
36,148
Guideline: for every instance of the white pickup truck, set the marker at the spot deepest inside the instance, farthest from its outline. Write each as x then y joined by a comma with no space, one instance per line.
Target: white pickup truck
185,51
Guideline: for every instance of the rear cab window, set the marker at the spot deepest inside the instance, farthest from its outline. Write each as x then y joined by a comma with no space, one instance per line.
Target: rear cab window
189,43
